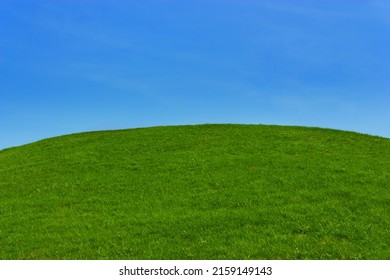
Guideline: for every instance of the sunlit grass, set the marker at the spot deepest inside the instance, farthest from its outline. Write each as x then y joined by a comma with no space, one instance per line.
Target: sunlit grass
197,192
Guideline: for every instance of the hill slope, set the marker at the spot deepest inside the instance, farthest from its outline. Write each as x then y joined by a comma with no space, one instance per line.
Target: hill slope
197,192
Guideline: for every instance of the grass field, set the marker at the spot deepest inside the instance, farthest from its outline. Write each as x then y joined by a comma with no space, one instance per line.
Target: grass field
197,192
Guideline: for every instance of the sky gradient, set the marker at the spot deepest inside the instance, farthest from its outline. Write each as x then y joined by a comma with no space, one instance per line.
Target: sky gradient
73,66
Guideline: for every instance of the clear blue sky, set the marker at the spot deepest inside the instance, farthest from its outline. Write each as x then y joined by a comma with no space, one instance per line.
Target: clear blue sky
72,66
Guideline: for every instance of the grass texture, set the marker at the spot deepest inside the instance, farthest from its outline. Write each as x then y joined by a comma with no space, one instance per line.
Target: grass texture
197,192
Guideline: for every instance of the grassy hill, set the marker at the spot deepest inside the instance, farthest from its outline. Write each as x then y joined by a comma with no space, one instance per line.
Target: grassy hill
197,192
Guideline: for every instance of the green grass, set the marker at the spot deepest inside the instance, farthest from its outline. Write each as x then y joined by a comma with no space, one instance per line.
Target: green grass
197,192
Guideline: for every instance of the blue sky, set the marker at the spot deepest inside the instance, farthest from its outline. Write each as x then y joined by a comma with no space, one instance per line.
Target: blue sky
72,66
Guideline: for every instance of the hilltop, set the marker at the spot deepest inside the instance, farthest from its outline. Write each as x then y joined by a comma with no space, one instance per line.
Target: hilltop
197,192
